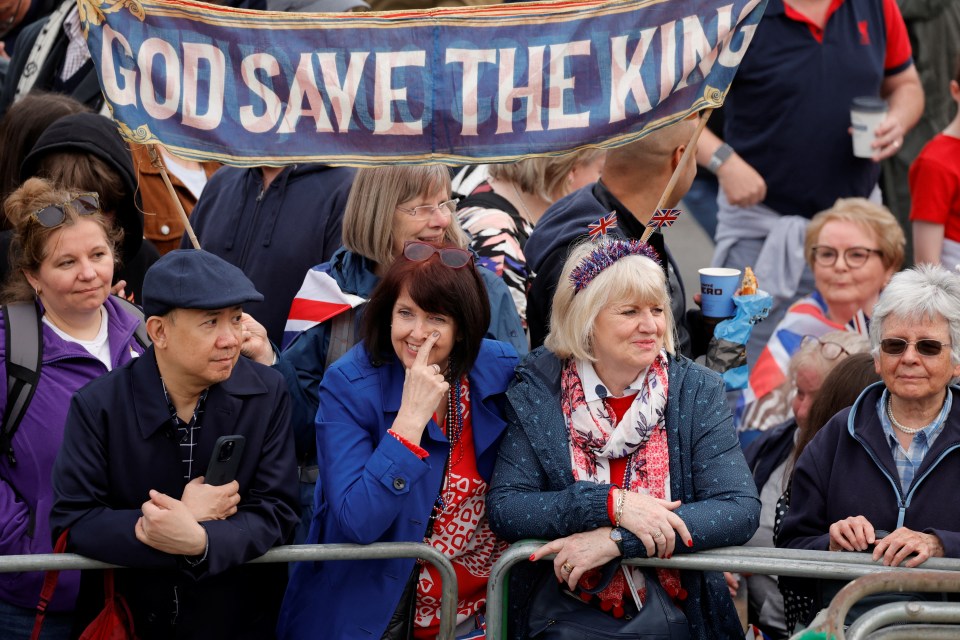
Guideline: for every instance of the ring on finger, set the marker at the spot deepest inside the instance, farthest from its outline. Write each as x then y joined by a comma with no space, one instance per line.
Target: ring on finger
566,568
657,535
436,367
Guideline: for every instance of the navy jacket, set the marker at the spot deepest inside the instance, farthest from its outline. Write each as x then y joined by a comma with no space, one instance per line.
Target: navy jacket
566,222
119,443
769,450
533,494
374,489
848,470
273,236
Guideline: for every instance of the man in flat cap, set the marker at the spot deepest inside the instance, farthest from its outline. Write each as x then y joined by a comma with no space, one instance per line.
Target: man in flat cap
128,480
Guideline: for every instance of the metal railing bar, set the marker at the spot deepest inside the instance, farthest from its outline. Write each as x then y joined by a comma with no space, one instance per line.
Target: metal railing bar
290,553
914,631
896,612
785,562
914,580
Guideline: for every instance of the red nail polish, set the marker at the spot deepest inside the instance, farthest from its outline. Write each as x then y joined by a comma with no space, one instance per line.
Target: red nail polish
690,542
532,557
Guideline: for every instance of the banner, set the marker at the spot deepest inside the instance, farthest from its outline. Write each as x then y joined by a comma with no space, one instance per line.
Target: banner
461,85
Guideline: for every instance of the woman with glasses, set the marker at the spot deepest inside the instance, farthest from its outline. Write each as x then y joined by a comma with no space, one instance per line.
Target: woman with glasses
387,207
771,458
853,249
62,255
891,462
408,429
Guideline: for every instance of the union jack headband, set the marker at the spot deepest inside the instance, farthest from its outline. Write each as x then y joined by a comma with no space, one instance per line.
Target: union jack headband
604,255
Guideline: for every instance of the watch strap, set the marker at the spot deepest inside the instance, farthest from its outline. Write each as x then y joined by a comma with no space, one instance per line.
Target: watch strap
721,155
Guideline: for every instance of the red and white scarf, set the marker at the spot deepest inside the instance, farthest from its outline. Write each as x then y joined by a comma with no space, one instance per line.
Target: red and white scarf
596,439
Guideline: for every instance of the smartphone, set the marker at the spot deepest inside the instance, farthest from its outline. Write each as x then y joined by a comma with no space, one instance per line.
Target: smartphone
225,460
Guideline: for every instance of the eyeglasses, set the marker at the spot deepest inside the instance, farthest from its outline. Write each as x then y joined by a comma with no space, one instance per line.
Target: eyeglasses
53,215
447,209
829,350
417,251
855,257
926,347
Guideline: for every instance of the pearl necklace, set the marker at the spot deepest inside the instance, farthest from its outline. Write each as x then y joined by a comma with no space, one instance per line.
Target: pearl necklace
893,421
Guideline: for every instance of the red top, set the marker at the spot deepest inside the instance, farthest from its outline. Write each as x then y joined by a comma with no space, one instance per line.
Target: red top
935,185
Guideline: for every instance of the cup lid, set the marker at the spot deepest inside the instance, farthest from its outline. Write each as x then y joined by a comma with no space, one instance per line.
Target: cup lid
869,103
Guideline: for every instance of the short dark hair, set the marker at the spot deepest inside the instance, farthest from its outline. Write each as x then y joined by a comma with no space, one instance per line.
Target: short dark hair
436,288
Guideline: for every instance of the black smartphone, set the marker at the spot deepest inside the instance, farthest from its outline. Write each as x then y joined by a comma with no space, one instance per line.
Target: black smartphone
225,460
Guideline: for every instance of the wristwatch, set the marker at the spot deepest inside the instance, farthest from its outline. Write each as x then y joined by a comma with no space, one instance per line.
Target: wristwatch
723,152
616,534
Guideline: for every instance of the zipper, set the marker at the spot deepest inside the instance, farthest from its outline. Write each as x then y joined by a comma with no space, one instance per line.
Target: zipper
253,226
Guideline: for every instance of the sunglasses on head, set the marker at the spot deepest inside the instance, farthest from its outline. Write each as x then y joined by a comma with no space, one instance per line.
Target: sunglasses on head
417,251
925,347
53,215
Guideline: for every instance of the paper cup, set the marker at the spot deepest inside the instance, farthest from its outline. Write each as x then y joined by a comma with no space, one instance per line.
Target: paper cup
866,114
717,286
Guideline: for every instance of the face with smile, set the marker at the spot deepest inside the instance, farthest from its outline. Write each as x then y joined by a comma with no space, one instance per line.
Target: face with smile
627,336
431,228
75,276
911,377
410,326
200,347
841,285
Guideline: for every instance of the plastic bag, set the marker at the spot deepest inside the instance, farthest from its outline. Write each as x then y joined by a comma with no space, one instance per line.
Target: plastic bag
727,352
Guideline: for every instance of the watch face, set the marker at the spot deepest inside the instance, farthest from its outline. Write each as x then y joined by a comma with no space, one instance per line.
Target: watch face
616,536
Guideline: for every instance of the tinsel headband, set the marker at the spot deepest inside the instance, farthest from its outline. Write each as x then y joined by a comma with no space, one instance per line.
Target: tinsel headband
604,255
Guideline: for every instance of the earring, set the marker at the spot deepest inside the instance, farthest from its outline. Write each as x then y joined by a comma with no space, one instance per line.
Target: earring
39,291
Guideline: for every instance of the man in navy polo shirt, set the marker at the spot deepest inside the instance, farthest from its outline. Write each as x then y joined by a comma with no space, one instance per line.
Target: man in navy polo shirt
788,152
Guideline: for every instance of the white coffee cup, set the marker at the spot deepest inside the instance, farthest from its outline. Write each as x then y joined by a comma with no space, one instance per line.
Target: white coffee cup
866,114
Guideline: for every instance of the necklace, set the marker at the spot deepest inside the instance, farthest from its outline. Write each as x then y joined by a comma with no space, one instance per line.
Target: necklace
893,421
453,428
529,216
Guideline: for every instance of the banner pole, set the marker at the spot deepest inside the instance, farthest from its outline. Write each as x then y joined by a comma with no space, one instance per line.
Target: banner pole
686,157
158,163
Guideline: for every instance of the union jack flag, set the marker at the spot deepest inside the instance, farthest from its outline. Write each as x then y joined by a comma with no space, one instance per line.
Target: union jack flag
664,218
602,226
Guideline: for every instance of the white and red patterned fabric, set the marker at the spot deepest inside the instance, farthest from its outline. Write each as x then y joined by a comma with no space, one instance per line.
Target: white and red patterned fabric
597,438
462,533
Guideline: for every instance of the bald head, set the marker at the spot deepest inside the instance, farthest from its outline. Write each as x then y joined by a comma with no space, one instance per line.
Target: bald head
652,153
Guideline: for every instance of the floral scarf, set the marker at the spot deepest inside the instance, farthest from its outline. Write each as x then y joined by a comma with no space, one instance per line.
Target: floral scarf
596,439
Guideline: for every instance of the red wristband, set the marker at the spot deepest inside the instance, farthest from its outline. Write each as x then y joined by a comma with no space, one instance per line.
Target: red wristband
417,450
611,505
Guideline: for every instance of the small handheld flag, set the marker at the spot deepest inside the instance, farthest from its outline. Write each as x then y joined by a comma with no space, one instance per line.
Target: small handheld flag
664,218
602,226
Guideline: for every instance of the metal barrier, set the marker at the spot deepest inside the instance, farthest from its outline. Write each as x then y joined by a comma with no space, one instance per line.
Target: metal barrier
291,553
916,580
784,562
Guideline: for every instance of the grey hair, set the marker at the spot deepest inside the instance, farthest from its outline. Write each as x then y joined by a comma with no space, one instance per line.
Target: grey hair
921,293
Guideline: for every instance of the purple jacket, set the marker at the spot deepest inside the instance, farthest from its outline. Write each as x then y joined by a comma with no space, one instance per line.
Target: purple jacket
25,492
848,470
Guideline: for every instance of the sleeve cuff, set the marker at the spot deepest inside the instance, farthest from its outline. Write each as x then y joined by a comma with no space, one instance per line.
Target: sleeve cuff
195,561
417,450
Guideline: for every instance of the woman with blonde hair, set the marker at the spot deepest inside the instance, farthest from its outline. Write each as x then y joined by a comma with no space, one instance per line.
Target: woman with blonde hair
501,212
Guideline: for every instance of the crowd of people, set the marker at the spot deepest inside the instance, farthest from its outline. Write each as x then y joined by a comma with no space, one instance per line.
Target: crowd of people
414,353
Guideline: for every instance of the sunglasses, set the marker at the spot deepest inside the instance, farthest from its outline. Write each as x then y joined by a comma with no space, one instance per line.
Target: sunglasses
417,251
925,347
53,215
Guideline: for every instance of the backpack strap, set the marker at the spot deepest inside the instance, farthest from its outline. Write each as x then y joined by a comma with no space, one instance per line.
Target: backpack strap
140,333
24,357
343,335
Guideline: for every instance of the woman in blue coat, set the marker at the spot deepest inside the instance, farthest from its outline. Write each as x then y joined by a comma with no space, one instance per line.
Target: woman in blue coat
619,448
408,429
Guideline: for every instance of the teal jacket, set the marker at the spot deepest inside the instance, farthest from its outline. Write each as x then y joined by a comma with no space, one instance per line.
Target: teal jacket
533,493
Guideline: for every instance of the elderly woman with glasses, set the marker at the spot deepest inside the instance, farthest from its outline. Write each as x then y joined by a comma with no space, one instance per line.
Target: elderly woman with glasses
853,249
408,429
891,462
62,255
619,448
387,207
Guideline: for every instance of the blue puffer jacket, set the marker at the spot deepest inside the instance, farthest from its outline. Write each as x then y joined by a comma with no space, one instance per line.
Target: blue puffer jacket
533,493
303,361
26,495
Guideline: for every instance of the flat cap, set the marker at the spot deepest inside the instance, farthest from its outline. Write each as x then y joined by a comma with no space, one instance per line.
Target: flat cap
195,279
